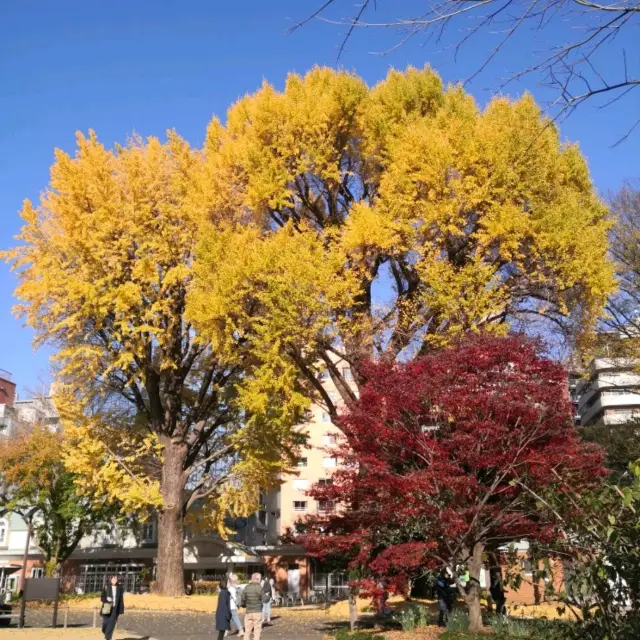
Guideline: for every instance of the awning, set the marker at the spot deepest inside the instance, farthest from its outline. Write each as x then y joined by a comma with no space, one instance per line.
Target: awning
9,568
222,562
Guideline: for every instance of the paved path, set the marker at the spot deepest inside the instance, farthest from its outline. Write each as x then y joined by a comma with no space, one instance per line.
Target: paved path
195,626
183,625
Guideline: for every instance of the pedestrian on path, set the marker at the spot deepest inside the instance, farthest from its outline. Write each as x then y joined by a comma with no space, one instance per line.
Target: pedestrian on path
235,595
112,599
252,600
267,598
223,612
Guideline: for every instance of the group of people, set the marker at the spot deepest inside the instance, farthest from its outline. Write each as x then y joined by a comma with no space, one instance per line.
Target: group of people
256,598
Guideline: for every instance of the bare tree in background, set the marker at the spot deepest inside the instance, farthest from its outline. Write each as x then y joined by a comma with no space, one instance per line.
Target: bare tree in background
570,68
623,309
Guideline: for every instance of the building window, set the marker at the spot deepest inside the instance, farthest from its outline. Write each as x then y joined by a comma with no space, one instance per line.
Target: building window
37,572
4,528
300,505
526,566
330,439
325,506
329,462
300,485
302,462
323,375
325,482
148,531
326,417
346,373
262,517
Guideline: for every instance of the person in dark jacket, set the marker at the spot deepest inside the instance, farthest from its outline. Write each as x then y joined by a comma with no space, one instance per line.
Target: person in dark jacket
446,592
496,589
267,598
223,612
112,599
252,600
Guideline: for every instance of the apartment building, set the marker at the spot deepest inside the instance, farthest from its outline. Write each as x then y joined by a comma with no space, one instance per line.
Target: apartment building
610,394
294,571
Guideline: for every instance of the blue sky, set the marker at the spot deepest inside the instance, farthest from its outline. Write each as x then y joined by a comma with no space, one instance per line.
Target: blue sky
147,66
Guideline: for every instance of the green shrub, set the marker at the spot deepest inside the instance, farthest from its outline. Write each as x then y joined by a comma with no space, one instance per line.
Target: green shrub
458,621
344,634
510,628
413,617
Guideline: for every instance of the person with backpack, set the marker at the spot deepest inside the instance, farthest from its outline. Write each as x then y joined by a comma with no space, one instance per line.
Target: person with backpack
236,593
267,599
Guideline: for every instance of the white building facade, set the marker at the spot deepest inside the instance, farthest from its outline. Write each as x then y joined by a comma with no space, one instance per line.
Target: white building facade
611,393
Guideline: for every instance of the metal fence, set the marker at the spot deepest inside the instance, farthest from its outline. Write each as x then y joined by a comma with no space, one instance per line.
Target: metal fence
93,578
329,586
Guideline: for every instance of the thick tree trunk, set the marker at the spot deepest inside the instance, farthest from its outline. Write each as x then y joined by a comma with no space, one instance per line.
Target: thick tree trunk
353,610
53,568
170,580
472,596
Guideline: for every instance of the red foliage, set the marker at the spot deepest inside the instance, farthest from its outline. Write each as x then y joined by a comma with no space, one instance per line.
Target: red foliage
450,451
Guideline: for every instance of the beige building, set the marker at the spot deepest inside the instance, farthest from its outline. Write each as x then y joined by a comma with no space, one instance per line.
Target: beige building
317,465
294,571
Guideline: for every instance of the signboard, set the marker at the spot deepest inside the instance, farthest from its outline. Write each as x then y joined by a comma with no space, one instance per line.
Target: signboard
41,589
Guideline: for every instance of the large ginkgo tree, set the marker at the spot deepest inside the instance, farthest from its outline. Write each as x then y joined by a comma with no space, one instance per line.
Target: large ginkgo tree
393,219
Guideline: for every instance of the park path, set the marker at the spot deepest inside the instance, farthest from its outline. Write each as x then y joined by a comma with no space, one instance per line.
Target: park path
181,625
197,626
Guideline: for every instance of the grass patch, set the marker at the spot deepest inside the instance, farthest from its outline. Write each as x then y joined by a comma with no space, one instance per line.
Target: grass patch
345,634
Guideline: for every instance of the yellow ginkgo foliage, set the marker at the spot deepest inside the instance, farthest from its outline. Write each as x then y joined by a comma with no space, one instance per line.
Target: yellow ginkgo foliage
392,220
159,416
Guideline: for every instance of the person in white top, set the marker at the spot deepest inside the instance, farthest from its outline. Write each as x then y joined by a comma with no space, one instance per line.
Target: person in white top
112,606
236,594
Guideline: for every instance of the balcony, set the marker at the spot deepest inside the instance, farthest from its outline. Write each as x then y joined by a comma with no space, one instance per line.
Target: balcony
622,403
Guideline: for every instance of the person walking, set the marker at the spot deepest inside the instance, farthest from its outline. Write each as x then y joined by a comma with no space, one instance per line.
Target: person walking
223,611
252,601
235,595
445,590
112,599
267,599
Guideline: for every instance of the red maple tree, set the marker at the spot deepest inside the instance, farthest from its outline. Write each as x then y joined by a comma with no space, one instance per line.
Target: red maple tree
443,460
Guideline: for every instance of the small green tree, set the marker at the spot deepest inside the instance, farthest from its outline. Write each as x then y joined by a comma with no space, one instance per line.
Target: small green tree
621,444
601,553
37,486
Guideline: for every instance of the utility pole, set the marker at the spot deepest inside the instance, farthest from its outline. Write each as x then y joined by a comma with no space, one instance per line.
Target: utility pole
23,574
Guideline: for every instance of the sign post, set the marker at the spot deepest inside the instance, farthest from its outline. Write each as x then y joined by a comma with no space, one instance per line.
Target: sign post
40,589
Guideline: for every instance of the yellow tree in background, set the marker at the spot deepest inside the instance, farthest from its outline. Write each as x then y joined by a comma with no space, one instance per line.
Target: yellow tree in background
395,219
158,416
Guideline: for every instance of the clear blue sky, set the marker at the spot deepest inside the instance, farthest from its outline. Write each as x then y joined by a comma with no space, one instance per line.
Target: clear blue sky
143,65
